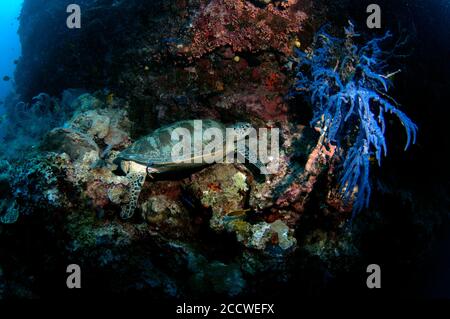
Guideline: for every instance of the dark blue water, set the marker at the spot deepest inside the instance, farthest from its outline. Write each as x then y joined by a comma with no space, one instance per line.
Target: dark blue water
9,44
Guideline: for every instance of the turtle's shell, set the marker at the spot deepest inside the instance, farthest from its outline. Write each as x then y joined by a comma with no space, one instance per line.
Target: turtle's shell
156,148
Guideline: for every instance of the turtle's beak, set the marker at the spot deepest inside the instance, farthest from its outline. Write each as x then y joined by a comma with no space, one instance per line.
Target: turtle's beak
124,166
151,170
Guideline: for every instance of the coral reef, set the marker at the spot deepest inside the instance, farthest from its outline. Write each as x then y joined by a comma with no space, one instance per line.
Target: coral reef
245,27
72,177
27,123
221,231
224,190
159,66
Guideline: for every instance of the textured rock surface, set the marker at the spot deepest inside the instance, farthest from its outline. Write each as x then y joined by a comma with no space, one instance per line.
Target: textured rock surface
214,232
183,221
74,143
222,227
170,60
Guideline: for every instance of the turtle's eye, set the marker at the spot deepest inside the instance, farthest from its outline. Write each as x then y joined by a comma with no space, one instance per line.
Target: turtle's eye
148,168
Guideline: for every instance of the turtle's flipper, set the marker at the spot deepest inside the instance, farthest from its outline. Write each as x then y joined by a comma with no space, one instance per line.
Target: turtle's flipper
136,182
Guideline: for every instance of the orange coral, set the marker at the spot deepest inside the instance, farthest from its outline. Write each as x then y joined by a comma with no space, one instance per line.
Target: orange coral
273,81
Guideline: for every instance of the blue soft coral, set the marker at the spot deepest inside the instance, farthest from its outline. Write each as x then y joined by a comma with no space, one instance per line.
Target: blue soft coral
347,88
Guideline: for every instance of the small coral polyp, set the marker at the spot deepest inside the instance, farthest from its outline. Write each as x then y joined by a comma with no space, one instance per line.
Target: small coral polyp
347,86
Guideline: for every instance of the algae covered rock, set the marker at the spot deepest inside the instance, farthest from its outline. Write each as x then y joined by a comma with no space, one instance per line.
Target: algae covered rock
276,237
168,217
92,123
186,221
86,102
223,189
71,142
108,126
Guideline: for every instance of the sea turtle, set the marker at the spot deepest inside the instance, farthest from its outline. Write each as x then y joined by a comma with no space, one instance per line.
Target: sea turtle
153,154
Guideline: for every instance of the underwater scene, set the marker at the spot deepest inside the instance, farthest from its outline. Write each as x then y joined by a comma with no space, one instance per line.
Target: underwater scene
224,156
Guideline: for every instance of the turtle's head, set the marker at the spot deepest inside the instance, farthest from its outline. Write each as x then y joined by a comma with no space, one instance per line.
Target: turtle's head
242,129
132,167
125,166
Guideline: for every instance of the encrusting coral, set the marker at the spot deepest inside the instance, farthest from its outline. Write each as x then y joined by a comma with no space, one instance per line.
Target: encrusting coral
245,27
73,173
70,181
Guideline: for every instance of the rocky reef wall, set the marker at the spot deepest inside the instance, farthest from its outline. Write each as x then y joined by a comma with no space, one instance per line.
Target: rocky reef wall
220,227
170,59
152,63
218,231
